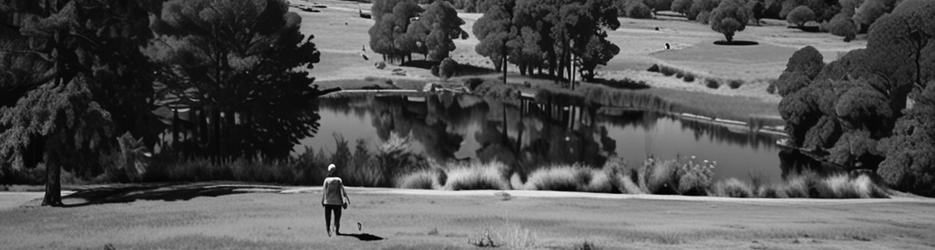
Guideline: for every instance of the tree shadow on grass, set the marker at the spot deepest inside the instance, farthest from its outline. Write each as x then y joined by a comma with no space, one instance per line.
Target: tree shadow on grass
362,237
736,43
163,192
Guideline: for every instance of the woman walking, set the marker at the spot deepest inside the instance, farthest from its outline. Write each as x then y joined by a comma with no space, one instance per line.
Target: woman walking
333,198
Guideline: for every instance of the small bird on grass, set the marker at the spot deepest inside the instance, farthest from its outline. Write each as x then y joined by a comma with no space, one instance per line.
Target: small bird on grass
359,226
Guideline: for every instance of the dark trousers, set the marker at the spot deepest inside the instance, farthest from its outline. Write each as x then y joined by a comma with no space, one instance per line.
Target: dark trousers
336,210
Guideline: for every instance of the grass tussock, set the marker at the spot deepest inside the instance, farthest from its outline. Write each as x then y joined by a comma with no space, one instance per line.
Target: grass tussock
808,185
477,176
733,188
685,176
570,178
423,179
666,70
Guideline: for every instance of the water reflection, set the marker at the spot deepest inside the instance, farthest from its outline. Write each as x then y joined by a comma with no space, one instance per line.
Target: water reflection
450,127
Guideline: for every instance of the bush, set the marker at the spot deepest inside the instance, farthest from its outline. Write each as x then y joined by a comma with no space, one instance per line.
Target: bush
477,176
472,83
667,71
689,77
733,188
654,68
447,68
734,84
800,15
712,83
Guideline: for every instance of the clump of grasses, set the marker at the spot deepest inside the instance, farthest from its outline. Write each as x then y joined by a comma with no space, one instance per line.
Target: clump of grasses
517,237
477,176
685,176
484,240
686,75
733,188
806,185
422,179
586,245
570,178
846,187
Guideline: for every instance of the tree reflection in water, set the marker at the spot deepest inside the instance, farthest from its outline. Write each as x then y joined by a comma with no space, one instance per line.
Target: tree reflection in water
450,128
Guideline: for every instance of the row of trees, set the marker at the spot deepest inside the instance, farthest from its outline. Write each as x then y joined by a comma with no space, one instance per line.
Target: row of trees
402,27
552,36
873,108
844,18
78,73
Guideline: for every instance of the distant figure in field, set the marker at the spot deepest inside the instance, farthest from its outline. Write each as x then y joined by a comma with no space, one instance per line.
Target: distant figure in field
333,198
363,52
667,46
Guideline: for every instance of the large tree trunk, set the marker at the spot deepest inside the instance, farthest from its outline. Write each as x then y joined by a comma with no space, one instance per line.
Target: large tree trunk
53,185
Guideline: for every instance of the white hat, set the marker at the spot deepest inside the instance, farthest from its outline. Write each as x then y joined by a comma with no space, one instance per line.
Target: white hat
331,168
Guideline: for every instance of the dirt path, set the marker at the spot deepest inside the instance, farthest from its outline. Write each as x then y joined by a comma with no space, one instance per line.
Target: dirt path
416,219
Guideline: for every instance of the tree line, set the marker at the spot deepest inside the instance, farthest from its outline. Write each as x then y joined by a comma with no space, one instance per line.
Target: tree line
558,38
872,108
79,74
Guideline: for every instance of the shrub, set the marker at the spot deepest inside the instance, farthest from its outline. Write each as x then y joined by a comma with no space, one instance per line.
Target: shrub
472,83
712,83
424,179
654,68
447,68
695,177
800,15
733,188
659,177
734,84
666,70
477,176
689,77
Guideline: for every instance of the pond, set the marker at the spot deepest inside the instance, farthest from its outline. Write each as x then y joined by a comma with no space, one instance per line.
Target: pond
451,127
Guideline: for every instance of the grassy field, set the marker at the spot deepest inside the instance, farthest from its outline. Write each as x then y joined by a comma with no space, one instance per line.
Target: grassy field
342,37
416,219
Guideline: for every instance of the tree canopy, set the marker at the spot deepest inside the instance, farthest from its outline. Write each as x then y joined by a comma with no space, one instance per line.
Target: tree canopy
550,35
402,27
729,17
858,111
235,64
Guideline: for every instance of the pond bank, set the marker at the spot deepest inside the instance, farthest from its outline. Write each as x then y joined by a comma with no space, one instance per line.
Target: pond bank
741,108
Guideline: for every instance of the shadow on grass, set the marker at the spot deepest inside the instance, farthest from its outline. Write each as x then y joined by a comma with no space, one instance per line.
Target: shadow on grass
163,192
362,237
736,43
462,70
621,84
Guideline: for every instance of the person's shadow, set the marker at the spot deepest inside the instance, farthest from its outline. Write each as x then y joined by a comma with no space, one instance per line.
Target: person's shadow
362,237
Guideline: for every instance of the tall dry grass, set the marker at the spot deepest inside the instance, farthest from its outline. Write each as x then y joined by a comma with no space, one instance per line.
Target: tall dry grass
476,175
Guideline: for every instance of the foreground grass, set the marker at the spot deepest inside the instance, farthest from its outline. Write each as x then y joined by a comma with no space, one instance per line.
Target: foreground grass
413,221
